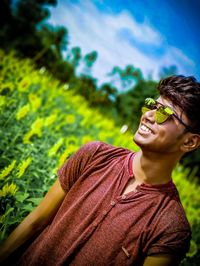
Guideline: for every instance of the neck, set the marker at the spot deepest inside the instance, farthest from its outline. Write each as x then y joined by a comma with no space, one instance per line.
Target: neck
153,168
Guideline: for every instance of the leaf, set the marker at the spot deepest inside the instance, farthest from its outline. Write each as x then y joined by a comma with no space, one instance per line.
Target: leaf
8,211
21,196
28,207
35,201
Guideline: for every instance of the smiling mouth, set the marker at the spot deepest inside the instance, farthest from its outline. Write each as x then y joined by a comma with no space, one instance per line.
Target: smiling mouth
146,129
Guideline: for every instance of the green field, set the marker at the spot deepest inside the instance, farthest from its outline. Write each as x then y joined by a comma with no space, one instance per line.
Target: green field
41,124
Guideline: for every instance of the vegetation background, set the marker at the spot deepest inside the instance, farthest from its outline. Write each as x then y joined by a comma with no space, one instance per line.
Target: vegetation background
47,111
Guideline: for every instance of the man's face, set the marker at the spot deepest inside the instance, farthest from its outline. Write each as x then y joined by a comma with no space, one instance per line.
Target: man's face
166,137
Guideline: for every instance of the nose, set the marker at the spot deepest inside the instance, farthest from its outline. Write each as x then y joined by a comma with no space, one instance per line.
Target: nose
150,116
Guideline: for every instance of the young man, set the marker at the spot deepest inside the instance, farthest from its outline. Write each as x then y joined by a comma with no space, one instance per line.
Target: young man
111,206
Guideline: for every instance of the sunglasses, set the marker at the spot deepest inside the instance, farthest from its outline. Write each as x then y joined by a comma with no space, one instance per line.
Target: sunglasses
163,112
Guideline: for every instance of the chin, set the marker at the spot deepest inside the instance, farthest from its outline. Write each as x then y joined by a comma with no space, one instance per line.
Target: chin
137,139
144,143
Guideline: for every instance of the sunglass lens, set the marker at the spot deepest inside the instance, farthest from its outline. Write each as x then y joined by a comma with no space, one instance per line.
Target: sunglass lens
145,109
160,117
162,114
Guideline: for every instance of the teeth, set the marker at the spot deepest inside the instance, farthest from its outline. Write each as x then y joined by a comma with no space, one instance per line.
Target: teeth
146,129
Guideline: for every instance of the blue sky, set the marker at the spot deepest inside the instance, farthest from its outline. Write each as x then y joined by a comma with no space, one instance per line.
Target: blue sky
149,34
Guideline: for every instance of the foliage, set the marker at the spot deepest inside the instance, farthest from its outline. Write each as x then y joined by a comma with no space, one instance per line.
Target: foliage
30,36
127,77
26,33
129,103
41,124
19,25
168,71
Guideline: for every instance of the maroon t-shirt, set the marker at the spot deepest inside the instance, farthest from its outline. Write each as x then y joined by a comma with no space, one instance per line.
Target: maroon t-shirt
97,225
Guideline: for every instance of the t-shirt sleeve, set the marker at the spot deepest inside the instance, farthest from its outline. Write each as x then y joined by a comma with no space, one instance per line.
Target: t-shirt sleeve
172,234
175,244
76,164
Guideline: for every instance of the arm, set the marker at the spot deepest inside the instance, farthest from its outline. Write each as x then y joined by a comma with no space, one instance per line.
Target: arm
160,260
35,221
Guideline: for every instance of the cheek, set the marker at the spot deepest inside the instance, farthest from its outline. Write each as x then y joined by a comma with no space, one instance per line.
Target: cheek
168,133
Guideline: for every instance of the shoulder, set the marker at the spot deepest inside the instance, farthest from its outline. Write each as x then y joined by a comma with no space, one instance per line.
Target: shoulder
104,149
94,145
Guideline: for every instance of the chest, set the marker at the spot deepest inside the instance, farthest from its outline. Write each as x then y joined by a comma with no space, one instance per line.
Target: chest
131,186
108,213
115,226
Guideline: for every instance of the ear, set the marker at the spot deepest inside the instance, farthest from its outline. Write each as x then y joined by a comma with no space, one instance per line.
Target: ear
191,142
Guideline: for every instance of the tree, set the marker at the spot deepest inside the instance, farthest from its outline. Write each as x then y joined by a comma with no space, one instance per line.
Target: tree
86,86
26,37
89,60
109,91
168,71
6,20
129,104
74,56
127,77
19,29
54,39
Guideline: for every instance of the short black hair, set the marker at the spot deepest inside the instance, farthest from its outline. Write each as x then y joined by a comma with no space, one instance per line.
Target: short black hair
183,92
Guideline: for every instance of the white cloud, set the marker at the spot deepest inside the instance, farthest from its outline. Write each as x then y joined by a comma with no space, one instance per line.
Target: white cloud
177,53
174,56
143,31
91,30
